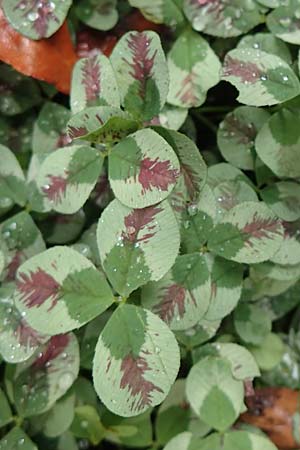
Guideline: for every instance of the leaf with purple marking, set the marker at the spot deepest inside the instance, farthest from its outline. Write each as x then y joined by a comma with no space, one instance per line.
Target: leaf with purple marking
60,290
102,15
223,18
49,131
168,12
172,117
142,75
21,239
143,169
289,251
248,233
18,341
137,245
36,19
194,68
181,298
68,176
277,143
93,84
268,43
136,361
12,180
101,125
261,78
237,133
39,382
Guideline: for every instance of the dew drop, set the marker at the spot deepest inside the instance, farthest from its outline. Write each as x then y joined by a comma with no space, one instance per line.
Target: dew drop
32,16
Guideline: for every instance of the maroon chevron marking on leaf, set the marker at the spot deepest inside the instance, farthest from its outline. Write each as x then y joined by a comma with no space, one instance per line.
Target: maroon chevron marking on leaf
13,265
187,89
191,179
75,132
172,296
137,221
177,201
36,287
56,188
156,174
91,72
142,64
261,228
63,140
245,133
27,336
55,347
291,230
214,289
133,370
246,71
44,11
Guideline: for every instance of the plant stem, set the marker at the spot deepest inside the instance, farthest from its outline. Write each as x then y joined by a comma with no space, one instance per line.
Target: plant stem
208,123
216,109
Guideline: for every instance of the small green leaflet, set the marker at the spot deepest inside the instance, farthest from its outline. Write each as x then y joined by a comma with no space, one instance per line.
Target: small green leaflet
59,418
20,239
87,424
194,68
190,441
222,18
181,298
226,286
16,439
277,144
67,177
261,78
283,198
168,12
172,117
213,393
143,169
142,75
62,228
93,83
237,133
39,382
49,131
252,323
101,125
102,15
136,361
248,233
268,43
193,169
289,251
243,364
36,20
247,441
269,354
283,22
203,331
218,173
12,180
55,296
5,411
18,341
137,245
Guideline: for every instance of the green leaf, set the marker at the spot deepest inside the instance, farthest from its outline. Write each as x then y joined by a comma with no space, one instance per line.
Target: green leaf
203,331
34,21
60,290
18,340
93,82
20,239
247,441
12,180
226,286
16,439
284,199
168,12
218,173
62,228
251,323
137,245
267,43
277,144
261,78
289,251
172,117
60,416
237,133
283,22
87,424
143,169
67,177
269,354
188,441
101,124
49,131
102,15
181,298
90,339
131,432
5,411
213,392
194,68
136,361
39,382
248,233
141,71
222,19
